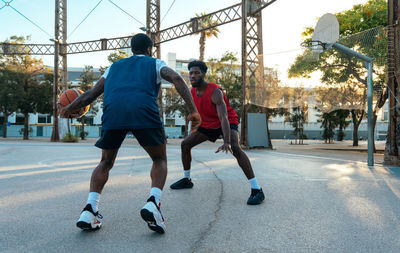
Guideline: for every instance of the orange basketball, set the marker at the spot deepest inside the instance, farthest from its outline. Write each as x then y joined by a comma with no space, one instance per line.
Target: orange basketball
70,95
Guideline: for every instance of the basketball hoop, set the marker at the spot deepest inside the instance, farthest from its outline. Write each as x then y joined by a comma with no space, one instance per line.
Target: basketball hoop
326,33
316,46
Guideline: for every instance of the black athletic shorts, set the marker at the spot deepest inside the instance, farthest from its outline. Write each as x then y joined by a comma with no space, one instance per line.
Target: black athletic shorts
112,139
214,134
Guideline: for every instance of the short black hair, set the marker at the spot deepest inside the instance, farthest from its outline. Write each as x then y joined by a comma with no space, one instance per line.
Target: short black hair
202,66
140,42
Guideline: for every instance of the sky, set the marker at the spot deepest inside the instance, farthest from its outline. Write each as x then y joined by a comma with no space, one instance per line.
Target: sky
283,23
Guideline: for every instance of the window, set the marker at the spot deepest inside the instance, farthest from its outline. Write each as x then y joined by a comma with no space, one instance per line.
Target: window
170,122
44,119
385,116
89,121
19,120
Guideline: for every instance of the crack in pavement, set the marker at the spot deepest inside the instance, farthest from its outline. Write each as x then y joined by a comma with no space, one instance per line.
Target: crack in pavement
219,206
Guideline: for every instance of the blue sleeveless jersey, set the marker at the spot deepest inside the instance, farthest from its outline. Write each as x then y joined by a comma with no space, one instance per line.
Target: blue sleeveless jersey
130,95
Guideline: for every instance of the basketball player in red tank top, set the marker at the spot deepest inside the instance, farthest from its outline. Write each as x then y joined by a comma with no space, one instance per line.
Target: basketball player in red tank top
217,118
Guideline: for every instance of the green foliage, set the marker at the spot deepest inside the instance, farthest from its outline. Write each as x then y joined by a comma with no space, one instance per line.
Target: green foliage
224,72
22,130
11,90
212,32
33,78
69,137
328,123
297,119
342,122
116,56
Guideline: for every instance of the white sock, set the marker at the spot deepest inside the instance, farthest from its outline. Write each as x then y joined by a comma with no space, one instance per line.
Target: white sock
93,200
186,174
254,184
156,192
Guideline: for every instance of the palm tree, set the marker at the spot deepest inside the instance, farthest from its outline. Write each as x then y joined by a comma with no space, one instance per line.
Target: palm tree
206,21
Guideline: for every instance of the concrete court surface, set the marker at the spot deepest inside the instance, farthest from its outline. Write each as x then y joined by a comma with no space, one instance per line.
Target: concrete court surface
325,201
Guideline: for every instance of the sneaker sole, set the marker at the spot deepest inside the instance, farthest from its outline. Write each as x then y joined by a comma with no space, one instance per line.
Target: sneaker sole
148,217
87,226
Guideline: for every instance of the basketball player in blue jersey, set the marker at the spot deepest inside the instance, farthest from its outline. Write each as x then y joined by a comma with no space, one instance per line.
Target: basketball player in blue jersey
131,87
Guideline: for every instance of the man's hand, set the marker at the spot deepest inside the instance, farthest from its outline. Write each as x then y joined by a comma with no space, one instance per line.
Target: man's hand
196,121
65,113
224,148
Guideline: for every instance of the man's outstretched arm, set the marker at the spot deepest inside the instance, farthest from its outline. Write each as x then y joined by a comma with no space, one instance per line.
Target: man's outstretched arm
217,98
173,77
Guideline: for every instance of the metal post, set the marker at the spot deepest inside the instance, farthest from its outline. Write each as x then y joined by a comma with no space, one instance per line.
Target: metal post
243,139
153,31
55,136
369,64
370,132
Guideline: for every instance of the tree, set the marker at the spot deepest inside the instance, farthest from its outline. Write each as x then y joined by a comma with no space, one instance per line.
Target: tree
392,147
298,118
342,122
116,56
206,21
33,81
338,68
11,92
88,78
328,123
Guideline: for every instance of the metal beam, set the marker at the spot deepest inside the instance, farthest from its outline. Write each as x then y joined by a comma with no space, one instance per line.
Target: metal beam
223,16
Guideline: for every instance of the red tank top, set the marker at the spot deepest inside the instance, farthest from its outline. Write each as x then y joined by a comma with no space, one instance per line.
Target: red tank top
208,110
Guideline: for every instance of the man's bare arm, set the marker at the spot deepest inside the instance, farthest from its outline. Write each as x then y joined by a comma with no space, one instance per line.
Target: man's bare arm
217,98
171,76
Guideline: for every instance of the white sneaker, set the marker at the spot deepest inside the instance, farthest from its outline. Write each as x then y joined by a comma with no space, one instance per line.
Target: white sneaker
89,220
152,215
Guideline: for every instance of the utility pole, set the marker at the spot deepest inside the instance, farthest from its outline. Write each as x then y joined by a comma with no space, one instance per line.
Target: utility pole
252,58
392,155
153,31
60,60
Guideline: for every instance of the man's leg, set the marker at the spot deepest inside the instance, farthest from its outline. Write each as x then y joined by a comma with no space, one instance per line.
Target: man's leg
89,216
151,212
187,144
158,173
101,172
257,195
241,156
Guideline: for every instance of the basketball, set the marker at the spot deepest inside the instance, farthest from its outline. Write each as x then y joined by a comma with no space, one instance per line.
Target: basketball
69,96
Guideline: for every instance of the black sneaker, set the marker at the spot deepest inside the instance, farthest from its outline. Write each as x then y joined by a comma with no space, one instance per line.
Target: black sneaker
89,220
256,197
182,184
152,215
